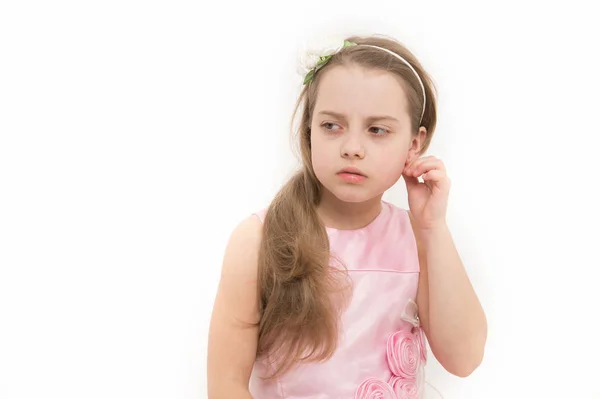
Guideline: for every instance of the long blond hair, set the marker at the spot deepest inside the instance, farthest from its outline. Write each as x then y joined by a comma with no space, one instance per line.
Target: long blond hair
299,313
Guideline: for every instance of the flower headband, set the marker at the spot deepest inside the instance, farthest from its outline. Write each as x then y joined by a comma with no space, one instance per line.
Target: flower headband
314,59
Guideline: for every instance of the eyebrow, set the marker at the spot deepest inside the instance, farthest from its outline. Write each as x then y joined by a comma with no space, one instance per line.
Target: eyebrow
370,118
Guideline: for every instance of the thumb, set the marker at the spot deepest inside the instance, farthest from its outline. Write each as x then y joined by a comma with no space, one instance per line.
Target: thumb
410,181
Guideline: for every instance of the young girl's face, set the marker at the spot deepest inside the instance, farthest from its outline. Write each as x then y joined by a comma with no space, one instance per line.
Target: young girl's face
360,121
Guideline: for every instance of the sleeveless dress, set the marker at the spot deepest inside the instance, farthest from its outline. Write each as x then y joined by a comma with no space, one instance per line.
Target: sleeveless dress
381,351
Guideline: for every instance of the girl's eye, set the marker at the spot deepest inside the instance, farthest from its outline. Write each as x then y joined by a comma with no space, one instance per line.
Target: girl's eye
330,126
382,131
334,127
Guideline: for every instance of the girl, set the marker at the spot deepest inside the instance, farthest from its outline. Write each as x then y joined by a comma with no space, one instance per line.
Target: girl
332,292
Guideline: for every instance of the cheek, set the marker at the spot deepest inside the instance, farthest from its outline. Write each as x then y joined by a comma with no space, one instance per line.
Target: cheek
320,154
320,161
391,165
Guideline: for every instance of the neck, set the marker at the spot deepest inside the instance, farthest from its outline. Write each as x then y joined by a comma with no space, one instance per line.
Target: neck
343,215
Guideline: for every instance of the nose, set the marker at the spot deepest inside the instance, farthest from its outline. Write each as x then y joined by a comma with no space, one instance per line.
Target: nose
352,147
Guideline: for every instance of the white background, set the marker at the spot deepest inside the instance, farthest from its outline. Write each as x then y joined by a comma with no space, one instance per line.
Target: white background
134,136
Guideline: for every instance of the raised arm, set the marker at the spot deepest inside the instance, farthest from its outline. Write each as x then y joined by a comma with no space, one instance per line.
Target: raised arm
451,314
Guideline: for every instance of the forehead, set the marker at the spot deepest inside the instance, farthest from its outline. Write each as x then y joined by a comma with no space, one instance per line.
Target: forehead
357,91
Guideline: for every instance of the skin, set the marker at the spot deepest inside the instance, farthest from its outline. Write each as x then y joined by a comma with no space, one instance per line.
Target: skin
379,148
385,151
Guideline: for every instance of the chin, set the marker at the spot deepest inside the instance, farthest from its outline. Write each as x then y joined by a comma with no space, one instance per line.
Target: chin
351,193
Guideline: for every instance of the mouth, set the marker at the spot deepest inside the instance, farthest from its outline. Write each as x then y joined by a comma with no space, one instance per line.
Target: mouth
352,175
351,171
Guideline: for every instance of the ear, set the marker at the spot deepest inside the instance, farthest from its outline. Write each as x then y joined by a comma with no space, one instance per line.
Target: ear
416,144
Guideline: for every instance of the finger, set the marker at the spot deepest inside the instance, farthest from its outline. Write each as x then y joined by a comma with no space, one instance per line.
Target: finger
436,176
425,166
410,181
420,161
411,166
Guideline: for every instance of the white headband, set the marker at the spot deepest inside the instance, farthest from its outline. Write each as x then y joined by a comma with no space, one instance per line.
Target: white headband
411,68
315,59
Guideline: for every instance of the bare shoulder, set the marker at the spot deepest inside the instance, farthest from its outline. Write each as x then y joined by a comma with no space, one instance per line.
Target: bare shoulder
238,287
243,245
233,332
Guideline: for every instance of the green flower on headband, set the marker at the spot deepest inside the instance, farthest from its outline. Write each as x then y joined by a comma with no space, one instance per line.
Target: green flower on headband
315,57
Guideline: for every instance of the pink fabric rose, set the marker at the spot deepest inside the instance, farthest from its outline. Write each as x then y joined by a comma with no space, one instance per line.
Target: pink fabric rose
405,388
404,354
374,388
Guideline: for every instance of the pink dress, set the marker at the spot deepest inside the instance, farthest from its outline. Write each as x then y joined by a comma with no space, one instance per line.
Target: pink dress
382,350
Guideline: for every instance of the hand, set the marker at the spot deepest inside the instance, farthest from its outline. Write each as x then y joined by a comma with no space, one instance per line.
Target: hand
428,201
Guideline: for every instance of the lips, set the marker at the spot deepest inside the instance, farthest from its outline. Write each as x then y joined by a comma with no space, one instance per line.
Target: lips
352,175
352,171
